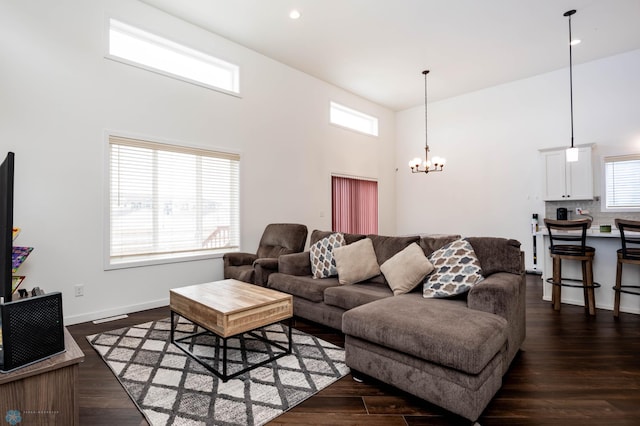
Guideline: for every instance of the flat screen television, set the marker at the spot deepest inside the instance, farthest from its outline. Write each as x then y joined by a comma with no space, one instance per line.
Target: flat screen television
31,329
6,226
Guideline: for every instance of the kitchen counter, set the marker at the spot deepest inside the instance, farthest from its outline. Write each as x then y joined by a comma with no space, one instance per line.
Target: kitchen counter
604,271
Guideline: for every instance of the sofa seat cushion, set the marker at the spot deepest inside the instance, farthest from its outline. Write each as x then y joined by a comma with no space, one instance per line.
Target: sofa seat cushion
444,332
305,287
350,296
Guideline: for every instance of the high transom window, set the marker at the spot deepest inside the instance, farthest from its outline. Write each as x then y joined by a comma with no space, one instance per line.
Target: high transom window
352,119
168,202
136,47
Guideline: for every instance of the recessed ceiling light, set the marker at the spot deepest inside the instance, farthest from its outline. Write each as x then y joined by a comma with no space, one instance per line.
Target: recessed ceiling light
294,14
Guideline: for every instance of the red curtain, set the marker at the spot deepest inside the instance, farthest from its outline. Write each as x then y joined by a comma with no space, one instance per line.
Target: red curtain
354,205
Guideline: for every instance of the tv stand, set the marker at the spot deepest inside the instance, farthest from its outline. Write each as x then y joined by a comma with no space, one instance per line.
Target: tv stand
45,393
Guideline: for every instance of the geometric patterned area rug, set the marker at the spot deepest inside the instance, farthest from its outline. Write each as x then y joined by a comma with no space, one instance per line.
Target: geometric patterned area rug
170,388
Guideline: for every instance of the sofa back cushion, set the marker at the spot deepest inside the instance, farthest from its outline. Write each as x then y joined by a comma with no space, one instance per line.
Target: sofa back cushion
298,264
433,242
317,235
497,254
385,247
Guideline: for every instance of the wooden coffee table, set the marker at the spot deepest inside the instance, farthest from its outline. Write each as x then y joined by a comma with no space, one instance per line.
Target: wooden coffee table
228,308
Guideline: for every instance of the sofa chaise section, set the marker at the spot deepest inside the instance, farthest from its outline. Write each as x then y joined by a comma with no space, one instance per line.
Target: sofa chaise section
437,350
451,352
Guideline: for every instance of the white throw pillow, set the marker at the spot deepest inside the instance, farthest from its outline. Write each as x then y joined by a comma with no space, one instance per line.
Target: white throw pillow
457,269
406,269
323,265
356,262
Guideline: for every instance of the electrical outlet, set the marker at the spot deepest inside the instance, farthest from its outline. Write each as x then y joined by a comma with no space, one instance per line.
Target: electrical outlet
79,290
578,210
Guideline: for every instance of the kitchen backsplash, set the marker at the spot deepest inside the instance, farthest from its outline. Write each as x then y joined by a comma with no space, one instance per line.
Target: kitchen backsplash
593,206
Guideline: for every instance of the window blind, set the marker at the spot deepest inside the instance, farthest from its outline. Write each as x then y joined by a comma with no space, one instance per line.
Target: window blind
622,182
354,205
170,201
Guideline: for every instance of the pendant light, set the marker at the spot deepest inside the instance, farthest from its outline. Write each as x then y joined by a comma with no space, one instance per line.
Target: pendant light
571,153
438,162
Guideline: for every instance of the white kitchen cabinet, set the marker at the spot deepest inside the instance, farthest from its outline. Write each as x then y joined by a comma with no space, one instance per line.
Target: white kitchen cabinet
565,181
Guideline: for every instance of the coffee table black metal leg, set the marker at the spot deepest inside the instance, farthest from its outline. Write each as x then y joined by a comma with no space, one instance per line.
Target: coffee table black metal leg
172,327
225,377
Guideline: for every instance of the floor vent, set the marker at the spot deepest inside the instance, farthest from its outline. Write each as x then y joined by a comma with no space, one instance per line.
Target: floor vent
108,319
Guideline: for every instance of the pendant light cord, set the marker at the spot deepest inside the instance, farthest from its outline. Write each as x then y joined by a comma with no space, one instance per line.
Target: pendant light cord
426,138
571,78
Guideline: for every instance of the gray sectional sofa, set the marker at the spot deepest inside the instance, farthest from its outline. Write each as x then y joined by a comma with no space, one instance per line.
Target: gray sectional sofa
451,352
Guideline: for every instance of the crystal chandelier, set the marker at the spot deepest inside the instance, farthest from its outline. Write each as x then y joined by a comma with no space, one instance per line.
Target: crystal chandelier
417,165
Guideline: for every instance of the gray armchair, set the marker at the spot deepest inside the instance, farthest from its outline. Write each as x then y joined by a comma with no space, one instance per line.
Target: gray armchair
277,239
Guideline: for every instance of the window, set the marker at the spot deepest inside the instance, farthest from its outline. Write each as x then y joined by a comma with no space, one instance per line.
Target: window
169,202
352,119
137,47
354,205
622,183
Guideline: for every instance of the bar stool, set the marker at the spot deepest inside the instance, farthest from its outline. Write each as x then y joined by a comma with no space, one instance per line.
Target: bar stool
572,247
629,255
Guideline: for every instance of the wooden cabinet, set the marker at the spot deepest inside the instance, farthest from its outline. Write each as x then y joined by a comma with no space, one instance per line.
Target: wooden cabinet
565,181
44,393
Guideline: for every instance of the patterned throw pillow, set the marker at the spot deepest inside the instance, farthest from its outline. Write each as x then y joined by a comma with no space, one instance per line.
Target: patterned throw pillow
323,264
457,269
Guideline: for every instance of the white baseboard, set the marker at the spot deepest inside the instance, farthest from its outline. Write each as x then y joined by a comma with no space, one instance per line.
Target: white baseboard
608,307
76,319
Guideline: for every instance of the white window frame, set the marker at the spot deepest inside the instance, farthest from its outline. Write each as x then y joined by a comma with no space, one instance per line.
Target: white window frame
172,53
605,193
349,118
165,258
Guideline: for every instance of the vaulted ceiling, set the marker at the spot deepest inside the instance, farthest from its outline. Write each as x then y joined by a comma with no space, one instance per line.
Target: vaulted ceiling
378,48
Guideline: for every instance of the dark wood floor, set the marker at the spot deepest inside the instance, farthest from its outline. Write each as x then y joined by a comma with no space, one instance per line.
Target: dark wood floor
572,370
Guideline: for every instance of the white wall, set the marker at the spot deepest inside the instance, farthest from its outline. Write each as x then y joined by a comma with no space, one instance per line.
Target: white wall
493,181
59,95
